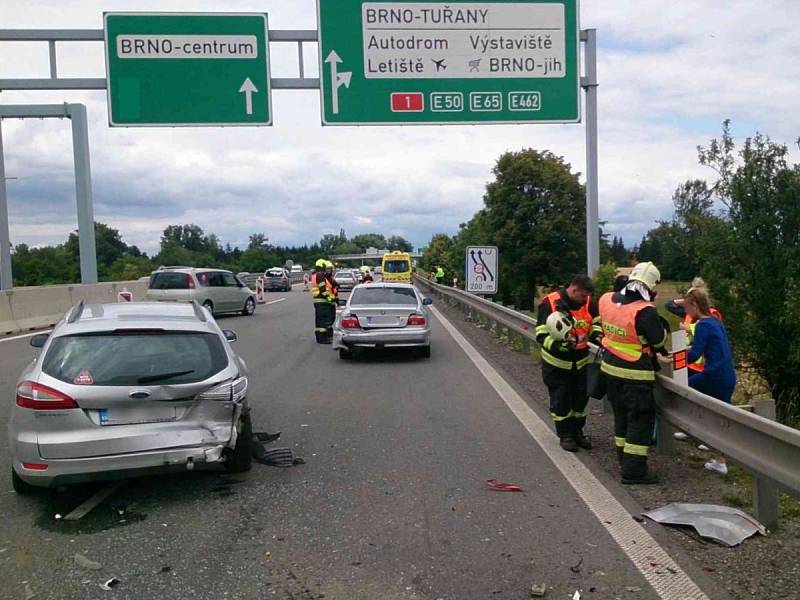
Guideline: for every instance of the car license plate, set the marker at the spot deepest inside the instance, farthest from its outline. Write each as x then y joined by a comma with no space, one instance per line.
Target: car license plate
136,415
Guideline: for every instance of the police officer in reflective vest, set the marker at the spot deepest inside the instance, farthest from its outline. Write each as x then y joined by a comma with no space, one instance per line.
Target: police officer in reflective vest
323,296
633,332
439,275
565,353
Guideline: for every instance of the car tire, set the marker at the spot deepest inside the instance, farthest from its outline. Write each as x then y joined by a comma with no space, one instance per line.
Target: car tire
425,351
346,354
240,459
209,305
23,488
249,307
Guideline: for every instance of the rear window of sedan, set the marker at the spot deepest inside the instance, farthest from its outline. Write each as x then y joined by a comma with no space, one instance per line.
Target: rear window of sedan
276,274
135,358
364,296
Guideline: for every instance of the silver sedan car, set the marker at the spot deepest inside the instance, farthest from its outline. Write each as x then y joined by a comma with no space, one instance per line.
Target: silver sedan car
129,389
383,315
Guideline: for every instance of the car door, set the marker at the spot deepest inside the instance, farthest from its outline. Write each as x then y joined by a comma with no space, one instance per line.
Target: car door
234,294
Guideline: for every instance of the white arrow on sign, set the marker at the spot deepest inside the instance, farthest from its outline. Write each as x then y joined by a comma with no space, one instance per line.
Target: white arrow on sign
337,79
249,89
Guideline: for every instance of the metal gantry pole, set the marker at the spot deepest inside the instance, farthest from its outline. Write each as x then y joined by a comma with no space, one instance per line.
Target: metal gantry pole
83,192
589,84
6,278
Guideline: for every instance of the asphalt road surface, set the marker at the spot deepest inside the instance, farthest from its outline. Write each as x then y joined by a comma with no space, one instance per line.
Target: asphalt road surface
392,502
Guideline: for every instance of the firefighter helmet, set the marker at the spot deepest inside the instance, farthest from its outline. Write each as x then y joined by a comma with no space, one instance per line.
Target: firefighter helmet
647,273
559,325
321,263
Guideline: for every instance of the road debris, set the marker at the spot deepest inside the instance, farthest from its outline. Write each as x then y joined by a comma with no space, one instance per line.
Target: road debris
110,584
633,588
266,438
500,486
538,590
576,595
577,568
729,526
86,563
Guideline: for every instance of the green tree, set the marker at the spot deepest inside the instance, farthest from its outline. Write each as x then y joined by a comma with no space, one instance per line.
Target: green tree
535,214
437,254
109,247
751,257
397,242
367,240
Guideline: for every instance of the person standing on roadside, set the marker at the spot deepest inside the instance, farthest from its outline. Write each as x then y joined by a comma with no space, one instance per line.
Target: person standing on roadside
564,360
633,332
324,298
439,275
677,308
710,343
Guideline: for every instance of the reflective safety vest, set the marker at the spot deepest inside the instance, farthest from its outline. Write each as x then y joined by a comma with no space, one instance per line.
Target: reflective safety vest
690,323
581,316
321,288
440,272
619,328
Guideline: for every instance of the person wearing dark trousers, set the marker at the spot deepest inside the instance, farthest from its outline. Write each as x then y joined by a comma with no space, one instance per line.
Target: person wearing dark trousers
633,332
324,299
567,321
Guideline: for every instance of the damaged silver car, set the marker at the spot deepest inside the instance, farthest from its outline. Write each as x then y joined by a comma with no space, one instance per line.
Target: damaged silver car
129,389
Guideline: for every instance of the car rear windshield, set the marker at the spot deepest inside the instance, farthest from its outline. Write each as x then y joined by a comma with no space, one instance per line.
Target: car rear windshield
114,358
274,273
364,296
169,281
396,266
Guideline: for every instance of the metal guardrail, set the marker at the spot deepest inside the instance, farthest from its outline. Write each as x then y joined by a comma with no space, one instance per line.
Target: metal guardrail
769,450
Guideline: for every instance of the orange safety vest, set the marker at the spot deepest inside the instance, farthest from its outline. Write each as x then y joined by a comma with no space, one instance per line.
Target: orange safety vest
698,365
619,328
328,295
582,317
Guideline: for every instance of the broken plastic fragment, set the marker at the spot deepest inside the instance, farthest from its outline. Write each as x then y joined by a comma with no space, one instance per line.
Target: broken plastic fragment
108,585
576,595
86,563
538,590
500,486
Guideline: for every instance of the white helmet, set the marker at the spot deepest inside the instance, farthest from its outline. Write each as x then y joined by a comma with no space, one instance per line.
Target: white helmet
559,325
647,273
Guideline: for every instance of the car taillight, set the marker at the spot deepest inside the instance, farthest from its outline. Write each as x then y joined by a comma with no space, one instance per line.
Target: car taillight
350,323
416,320
190,282
40,397
235,390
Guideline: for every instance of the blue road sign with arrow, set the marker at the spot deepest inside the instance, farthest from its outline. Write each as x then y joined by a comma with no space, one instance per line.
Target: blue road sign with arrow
482,269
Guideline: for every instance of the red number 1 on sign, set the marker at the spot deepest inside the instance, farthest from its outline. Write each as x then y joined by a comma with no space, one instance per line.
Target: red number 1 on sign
407,102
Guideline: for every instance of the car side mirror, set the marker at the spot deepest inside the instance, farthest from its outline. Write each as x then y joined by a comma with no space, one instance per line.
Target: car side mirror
427,301
39,340
230,335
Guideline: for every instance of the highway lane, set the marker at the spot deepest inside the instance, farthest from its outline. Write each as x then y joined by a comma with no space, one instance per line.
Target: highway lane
391,502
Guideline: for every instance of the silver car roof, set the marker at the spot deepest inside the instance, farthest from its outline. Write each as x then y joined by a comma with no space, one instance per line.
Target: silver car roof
136,315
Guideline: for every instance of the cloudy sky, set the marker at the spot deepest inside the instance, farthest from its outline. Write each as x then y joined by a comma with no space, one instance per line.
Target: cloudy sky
669,73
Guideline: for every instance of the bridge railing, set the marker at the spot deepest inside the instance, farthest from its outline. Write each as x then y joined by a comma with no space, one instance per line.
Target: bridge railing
768,450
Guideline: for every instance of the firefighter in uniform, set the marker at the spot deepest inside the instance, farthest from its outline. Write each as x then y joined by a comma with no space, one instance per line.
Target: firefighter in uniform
563,361
633,332
323,296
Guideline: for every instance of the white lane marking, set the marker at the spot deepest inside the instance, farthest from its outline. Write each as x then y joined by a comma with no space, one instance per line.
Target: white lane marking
26,335
274,301
87,505
670,581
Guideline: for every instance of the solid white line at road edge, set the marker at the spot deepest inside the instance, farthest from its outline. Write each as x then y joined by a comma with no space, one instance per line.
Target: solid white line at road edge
26,335
274,301
632,538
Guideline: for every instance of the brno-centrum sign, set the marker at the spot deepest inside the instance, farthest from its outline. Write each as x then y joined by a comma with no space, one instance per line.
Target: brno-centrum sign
183,69
509,61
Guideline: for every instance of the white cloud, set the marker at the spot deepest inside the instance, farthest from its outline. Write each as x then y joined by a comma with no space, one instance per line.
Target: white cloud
669,74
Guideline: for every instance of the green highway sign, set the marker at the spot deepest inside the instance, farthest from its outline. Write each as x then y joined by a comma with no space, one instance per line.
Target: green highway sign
417,62
187,69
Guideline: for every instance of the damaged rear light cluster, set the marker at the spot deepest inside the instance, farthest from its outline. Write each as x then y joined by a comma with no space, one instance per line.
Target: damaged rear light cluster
350,322
234,390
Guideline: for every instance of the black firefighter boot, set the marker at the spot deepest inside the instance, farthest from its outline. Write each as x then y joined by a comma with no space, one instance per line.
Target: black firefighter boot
568,443
583,441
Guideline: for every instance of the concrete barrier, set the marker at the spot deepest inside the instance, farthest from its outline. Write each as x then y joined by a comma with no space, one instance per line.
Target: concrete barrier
35,307
26,308
7,322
